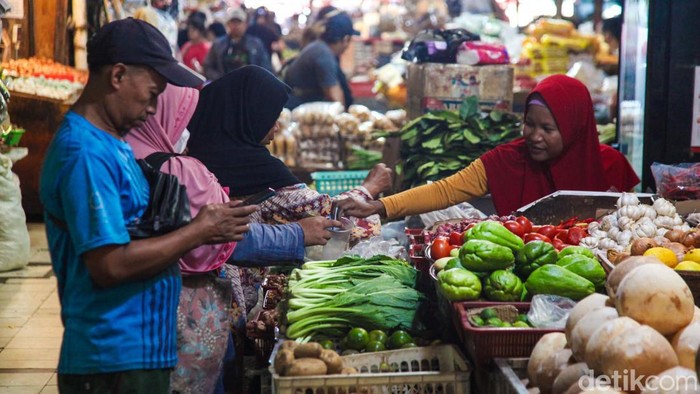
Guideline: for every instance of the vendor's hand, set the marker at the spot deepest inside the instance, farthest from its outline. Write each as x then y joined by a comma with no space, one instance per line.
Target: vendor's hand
316,230
226,222
378,180
359,208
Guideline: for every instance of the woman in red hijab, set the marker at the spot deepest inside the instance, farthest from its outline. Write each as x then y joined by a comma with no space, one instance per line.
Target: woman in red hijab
559,150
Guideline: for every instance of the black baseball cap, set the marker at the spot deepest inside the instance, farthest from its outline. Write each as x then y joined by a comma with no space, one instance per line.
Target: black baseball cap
339,25
133,41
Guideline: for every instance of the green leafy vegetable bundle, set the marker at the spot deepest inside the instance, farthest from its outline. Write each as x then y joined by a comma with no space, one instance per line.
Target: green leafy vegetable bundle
328,298
440,143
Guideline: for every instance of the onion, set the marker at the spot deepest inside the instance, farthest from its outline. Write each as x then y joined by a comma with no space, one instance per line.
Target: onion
679,249
640,245
690,238
674,235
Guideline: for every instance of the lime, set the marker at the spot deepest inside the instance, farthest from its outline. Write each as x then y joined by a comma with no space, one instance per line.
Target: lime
494,322
521,324
522,317
379,336
357,338
477,320
488,313
506,324
375,346
327,344
398,339
408,345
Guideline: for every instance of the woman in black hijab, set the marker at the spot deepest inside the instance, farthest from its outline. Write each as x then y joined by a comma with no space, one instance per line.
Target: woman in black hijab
235,118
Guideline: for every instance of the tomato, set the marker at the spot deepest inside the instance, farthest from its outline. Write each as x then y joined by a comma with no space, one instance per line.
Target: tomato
440,248
558,244
514,227
575,235
535,228
548,230
526,223
456,238
561,235
536,237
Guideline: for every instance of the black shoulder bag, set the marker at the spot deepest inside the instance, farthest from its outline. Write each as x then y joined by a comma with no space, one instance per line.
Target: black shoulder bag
168,205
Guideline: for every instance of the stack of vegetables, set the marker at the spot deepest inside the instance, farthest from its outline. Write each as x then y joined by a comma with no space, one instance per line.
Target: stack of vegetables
440,143
498,265
328,298
642,336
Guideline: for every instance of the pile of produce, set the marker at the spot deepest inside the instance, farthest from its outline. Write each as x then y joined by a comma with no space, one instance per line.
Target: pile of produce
308,359
646,328
488,317
496,264
440,143
358,340
328,298
43,77
631,221
677,182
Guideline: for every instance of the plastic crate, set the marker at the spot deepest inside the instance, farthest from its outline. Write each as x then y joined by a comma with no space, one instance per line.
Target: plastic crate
424,370
483,344
336,182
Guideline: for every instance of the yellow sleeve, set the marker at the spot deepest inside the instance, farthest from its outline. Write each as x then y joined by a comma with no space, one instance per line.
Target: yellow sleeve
460,187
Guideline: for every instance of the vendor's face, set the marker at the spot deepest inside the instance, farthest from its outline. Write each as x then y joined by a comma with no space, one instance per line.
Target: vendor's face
237,28
542,134
271,134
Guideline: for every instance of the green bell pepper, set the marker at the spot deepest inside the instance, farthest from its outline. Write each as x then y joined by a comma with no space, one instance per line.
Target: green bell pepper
532,256
480,255
503,285
459,284
490,230
569,250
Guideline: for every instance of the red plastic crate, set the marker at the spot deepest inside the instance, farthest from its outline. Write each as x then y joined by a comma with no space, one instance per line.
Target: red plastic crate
483,344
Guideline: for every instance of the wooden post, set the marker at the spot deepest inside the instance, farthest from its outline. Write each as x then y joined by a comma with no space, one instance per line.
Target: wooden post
49,29
80,37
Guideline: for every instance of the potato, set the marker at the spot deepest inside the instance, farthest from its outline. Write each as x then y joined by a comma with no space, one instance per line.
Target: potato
569,376
685,343
308,350
548,344
696,315
332,360
349,371
283,360
598,342
642,350
586,327
550,368
291,345
593,301
307,367
622,269
656,295
679,379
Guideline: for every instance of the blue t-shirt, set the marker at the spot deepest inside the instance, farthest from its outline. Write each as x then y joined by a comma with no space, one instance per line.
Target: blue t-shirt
91,182
314,69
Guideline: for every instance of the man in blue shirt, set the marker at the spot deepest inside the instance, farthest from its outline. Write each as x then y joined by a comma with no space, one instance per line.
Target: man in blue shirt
118,296
315,74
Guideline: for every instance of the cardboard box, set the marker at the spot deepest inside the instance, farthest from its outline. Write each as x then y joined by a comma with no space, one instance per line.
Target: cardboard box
435,86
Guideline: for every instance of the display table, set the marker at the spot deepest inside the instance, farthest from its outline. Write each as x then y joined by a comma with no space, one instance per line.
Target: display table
41,118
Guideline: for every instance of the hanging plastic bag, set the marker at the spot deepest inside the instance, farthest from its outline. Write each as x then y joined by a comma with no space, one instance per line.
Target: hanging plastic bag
550,311
14,237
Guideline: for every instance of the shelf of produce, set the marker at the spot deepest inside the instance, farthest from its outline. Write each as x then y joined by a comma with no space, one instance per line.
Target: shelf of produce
67,102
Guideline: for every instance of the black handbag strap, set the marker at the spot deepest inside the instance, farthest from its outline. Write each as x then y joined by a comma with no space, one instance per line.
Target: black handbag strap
156,159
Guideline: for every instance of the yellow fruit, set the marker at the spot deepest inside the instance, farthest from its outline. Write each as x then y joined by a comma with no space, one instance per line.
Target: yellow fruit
687,266
665,255
692,255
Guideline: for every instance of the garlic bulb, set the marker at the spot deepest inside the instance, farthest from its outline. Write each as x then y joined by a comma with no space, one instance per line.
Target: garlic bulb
599,233
608,222
624,238
593,226
649,211
660,232
613,232
677,220
644,230
589,242
606,243
684,227
644,220
633,212
664,207
627,199
664,221
625,222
